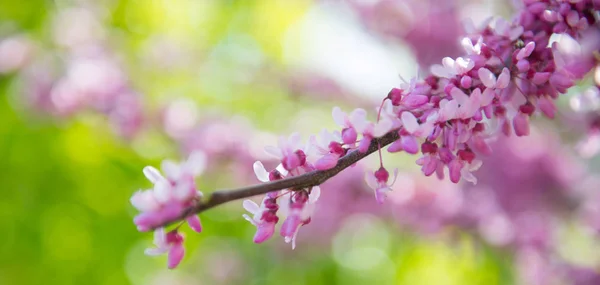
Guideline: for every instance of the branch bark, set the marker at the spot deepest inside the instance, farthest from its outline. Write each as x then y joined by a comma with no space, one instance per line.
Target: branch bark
305,180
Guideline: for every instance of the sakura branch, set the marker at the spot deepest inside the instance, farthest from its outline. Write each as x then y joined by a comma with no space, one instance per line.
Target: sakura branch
510,71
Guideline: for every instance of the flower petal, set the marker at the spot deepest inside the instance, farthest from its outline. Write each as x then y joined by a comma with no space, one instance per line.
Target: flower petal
409,121
176,253
338,116
194,223
152,174
487,77
260,171
251,206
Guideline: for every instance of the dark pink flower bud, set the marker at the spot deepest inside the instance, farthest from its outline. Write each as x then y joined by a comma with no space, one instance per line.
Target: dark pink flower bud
382,175
395,95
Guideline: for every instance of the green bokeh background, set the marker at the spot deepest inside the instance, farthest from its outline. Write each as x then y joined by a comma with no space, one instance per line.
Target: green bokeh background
65,216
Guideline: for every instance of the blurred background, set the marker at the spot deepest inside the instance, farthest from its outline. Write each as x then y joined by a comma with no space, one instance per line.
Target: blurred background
93,91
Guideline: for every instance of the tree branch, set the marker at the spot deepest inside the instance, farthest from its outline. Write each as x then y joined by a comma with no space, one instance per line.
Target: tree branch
305,180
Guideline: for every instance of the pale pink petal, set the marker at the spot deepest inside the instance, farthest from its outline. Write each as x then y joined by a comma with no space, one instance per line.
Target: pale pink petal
468,176
152,174
163,191
315,193
475,165
196,163
380,194
382,127
176,253
503,79
409,121
155,251
194,223
294,140
338,116
487,78
250,206
171,169
449,110
274,151
440,71
144,201
249,219
371,180
358,119
463,65
160,238
526,51
260,171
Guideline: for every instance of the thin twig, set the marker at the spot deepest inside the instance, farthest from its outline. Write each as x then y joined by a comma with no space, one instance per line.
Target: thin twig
305,180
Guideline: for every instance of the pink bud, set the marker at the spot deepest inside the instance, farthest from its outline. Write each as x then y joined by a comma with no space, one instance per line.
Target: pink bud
194,223
395,95
466,81
454,168
382,175
521,124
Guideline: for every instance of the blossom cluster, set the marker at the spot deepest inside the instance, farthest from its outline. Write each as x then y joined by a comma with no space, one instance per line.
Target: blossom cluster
510,71
166,201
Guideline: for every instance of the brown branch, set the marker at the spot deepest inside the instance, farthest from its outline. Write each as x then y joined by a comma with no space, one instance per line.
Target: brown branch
305,180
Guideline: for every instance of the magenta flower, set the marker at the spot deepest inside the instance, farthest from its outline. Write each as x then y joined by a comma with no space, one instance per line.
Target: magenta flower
378,181
327,149
264,217
170,195
349,132
170,243
299,207
289,151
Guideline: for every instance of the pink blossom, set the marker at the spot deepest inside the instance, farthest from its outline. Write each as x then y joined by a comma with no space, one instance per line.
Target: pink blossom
327,149
378,181
170,194
170,243
349,133
451,67
299,207
289,151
